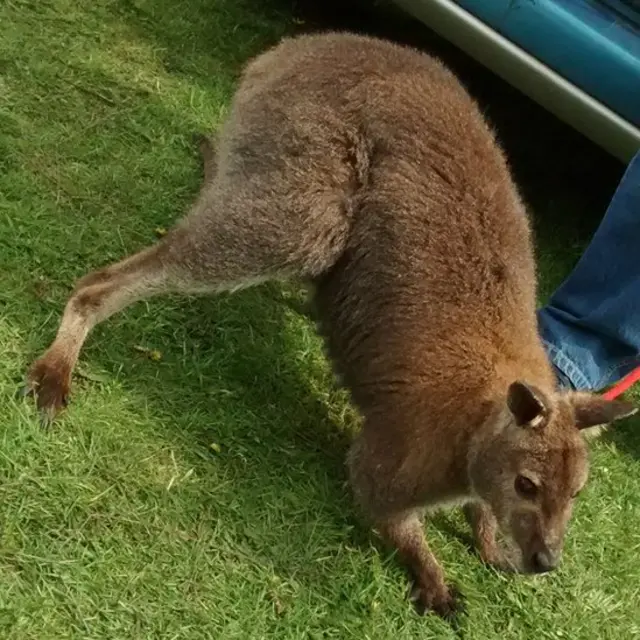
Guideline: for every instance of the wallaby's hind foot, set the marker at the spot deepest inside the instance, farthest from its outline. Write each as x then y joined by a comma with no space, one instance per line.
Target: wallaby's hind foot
49,381
240,232
96,297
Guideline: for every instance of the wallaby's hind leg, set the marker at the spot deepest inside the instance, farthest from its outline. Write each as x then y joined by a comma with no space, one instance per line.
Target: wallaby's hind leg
162,268
239,232
103,293
96,297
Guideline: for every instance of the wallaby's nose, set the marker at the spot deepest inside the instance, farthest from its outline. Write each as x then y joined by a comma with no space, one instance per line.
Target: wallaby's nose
546,560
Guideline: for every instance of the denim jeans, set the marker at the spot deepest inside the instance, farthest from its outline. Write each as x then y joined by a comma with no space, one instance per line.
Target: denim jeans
591,325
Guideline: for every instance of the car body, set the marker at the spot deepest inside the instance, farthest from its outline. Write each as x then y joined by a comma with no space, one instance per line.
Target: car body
580,59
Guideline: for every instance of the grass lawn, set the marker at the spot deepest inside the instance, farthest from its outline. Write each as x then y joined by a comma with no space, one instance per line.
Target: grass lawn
195,487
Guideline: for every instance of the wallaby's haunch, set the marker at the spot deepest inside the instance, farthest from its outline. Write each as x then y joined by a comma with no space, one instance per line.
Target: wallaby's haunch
365,168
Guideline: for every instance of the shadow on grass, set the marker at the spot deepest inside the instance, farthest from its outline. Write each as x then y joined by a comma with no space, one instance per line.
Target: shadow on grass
234,373
202,40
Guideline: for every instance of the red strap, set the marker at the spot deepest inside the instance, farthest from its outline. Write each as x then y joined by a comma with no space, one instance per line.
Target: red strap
621,386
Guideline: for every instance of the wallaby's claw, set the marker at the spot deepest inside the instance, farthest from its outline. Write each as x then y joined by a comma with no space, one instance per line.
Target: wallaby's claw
503,565
457,605
49,384
448,603
48,417
497,560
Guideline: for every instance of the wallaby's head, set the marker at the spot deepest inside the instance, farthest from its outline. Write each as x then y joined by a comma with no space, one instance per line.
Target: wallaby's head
535,463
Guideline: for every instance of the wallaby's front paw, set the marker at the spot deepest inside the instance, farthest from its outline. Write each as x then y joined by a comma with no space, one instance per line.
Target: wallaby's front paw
501,559
49,381
446,601
501,563
495,558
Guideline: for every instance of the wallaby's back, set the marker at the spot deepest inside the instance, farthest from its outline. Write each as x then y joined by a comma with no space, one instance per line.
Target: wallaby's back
435,256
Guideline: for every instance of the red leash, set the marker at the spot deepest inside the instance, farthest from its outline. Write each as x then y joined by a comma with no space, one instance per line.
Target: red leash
620,387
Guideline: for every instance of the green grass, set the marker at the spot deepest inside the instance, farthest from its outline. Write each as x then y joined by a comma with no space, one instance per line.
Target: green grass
202,495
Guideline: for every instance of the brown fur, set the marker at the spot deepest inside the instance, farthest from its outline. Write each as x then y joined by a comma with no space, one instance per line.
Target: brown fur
365,168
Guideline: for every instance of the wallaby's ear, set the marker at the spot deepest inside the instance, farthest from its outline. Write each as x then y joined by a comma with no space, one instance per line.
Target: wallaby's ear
527,404
592,410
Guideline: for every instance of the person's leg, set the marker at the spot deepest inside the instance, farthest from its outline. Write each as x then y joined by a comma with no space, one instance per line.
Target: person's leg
591,325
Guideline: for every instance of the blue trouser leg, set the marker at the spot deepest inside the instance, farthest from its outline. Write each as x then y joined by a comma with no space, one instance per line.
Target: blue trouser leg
591,326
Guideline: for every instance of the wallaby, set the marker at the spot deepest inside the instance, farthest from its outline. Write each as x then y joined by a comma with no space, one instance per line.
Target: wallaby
364,168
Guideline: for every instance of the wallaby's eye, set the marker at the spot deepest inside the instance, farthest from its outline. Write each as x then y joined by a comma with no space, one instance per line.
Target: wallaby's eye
526,487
